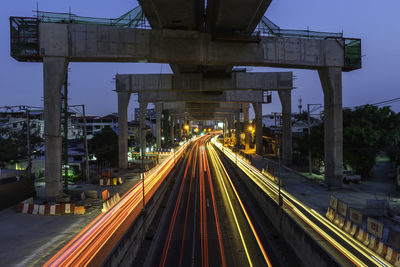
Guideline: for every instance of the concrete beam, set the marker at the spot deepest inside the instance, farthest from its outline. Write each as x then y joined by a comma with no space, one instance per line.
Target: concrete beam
260,81
202,106
95,43
225,96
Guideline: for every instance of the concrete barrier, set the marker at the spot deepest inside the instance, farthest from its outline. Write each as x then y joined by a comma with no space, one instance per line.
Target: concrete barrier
14,192
306,246
125,252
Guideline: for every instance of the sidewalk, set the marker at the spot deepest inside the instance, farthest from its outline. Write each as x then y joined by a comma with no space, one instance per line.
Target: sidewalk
30,240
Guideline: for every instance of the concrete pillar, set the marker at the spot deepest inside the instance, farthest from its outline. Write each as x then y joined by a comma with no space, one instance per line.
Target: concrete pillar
158,124
230,125
225,127
54,71
246,128
259,130
286,102
172,128
237,131
143,108
123,102
331,80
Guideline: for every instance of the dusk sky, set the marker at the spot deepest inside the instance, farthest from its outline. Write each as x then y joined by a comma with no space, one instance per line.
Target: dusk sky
376,23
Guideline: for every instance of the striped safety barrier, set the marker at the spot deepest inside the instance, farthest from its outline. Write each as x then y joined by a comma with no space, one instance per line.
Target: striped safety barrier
107,204
111,181
54,209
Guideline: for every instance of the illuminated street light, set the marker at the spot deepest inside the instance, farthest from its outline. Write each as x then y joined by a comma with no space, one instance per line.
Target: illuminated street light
186,127
250,128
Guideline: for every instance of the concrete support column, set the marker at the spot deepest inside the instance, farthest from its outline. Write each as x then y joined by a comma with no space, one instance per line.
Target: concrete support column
259,130
246,128
286,102
231,125
123,102
331,80
158,124
225,127
237,131
143,108
54,71
172,128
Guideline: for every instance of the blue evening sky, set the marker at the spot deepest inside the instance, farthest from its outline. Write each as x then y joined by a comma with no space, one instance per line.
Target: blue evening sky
376,23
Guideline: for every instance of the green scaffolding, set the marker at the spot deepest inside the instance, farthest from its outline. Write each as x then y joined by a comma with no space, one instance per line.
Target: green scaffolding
133,19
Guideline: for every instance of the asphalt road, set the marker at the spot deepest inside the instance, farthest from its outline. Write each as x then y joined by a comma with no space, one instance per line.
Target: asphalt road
206,222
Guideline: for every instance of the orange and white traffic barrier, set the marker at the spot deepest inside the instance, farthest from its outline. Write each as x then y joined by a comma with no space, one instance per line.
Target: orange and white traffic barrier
381,249
347,226
107,204
110,181
373,243
391,255
339,221
55,209
362,236
353,230
79,210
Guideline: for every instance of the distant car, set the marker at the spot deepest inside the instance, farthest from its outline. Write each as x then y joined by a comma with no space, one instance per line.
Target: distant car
348,177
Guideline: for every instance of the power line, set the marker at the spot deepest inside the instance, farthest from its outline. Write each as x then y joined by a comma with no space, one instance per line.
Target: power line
381,103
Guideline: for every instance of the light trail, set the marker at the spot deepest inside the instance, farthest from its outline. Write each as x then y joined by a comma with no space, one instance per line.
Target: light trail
221,246
177,203
244,211
96,241
218,166
265,183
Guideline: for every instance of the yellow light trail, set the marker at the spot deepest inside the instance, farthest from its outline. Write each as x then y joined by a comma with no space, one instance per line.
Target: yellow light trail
244,210
215,159
263,183
233,211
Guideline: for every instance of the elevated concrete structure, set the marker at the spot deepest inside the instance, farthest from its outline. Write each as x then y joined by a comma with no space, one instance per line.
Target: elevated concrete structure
94,43
62,43
174,14
205,97
234,18
256,81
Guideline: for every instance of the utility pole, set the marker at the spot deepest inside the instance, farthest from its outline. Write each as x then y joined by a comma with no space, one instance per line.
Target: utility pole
66,133
86,145
309,135
28,143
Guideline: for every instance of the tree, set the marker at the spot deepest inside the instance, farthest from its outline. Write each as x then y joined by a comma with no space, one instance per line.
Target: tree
367,130
13,145
105,146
